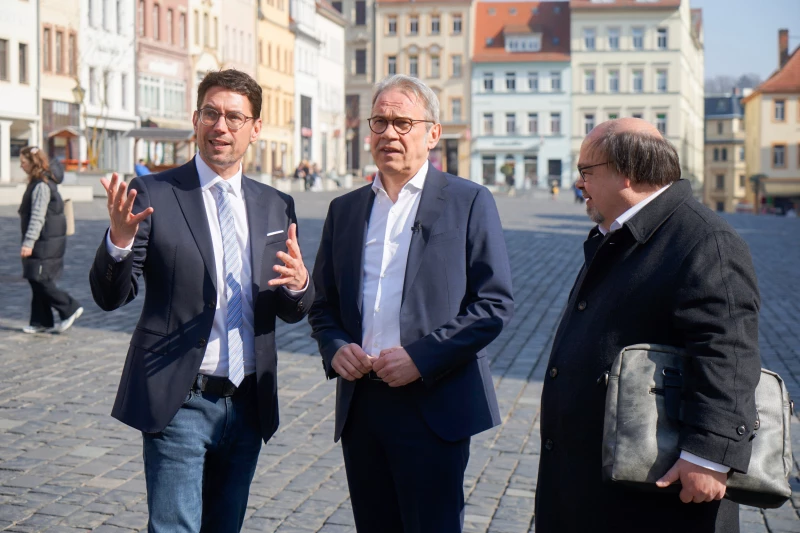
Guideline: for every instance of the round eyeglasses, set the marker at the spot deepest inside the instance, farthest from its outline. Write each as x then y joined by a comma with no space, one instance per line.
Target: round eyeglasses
401,125
235,120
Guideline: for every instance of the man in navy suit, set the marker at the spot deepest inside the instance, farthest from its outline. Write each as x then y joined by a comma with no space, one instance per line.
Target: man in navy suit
200,378
413,282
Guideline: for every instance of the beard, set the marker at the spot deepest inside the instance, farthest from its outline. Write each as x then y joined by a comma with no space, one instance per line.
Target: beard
595,215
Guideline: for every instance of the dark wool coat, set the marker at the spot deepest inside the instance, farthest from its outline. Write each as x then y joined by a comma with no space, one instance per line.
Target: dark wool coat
675,273
47,260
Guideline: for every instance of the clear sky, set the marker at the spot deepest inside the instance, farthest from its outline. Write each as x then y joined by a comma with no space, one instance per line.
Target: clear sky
741,36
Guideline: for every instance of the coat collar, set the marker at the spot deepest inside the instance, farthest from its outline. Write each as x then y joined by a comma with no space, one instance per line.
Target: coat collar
645,223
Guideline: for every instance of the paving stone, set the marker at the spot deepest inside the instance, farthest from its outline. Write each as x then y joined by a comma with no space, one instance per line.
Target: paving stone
67,466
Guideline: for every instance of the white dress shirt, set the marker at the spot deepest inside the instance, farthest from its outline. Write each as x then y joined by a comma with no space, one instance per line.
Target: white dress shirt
617,224
385,257
215,360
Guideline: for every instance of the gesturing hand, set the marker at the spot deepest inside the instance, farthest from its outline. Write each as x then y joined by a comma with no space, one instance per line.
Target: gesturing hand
351,362
698,484
124,224
395,367
294,274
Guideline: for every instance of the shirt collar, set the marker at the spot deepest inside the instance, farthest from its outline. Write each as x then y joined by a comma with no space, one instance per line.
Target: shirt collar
209,178
417,182
627,215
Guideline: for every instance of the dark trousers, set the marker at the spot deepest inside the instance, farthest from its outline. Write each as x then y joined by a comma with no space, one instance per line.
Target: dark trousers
46,297
403,478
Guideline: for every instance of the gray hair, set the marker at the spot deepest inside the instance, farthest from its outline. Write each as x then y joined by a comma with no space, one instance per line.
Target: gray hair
412,87
642,157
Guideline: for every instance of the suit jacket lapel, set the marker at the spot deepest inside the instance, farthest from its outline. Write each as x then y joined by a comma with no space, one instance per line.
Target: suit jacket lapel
190,198
430,208
257,214
363,211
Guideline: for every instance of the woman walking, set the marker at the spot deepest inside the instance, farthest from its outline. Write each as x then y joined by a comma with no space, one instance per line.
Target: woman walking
44,240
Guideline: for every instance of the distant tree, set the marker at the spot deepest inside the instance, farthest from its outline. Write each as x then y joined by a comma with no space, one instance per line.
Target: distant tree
725,84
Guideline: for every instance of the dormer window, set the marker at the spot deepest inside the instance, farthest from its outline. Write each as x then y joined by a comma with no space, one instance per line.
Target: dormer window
524,43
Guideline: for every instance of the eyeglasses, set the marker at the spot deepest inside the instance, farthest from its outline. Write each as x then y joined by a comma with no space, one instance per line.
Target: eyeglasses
581,170
401,125
235,120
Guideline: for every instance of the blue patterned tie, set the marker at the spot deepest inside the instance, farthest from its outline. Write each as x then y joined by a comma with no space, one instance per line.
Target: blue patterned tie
233,287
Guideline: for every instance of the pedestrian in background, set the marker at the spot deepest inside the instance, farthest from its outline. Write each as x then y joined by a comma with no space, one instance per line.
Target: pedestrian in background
578,193
141,169
44,241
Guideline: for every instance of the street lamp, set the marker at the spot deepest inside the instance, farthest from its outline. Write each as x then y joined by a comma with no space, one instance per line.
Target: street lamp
78,92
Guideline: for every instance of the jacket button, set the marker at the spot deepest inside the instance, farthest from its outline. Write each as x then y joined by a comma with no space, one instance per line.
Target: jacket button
582,305
553,372
300,306
212,305
201,342
548,444
741,429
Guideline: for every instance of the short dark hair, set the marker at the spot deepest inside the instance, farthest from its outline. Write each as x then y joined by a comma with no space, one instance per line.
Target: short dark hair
642,157
233,80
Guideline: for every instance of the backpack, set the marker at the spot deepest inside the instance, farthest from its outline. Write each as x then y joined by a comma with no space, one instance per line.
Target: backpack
57,170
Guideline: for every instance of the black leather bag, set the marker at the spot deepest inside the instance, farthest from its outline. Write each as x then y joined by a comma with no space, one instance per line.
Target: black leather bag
641,427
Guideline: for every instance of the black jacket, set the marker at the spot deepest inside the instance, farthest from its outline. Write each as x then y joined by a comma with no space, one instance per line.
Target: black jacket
677,274
47,260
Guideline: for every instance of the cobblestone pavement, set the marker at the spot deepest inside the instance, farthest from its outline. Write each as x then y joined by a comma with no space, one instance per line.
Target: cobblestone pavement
67,466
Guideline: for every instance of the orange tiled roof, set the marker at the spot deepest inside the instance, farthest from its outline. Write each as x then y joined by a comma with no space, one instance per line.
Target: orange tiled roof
626,4
380,2
551,19
783,80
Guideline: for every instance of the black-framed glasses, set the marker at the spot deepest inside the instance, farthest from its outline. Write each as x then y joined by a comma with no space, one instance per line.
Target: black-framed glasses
581,170
401,125
235,120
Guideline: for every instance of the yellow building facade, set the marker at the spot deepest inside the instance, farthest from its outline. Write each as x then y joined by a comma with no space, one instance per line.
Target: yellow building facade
275,74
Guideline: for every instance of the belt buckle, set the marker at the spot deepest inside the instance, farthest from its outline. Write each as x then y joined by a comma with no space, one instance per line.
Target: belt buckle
372,376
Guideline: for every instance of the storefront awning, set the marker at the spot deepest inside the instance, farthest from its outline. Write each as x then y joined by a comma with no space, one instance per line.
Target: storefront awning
67,133
160,134
776,187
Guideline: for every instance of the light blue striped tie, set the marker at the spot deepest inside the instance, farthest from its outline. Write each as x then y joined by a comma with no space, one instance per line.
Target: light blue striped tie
233,287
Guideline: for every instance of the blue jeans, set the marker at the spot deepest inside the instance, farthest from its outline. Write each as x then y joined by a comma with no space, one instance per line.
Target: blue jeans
198,470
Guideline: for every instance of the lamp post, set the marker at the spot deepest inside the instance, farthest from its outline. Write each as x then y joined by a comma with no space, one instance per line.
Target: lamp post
79,93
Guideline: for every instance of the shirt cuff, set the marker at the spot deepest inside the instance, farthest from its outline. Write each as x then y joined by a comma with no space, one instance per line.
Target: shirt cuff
302,291
117,253
705,463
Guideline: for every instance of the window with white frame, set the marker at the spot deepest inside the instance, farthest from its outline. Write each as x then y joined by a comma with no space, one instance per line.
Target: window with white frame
780,110
533,81
637,35
613,81
435,66
92,86
123,100
589,37
488,123
391,27
661,80
413,66
435,19
511,123
511,81
455,109
613,38
779,156
588,123
488,82
456,24
413,25
661,123
456,65
589,79
391,65
638,80
555,123
555,81
662,39
613,115
533,123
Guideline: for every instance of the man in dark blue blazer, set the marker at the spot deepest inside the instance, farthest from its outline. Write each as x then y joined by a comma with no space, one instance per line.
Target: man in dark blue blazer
200,379
413,282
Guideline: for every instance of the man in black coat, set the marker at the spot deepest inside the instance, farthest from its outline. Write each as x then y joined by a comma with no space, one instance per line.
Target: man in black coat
660,268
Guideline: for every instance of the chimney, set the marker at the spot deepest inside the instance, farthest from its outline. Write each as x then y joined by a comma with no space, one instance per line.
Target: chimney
783,47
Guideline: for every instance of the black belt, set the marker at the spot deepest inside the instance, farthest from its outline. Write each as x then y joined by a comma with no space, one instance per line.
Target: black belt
220,386
372,376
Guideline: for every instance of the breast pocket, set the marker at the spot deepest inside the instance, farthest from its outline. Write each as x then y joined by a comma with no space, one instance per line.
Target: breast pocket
444,236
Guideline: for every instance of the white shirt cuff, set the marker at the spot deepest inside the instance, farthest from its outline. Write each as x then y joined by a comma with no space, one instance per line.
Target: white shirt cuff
117,253
302,291
705,463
